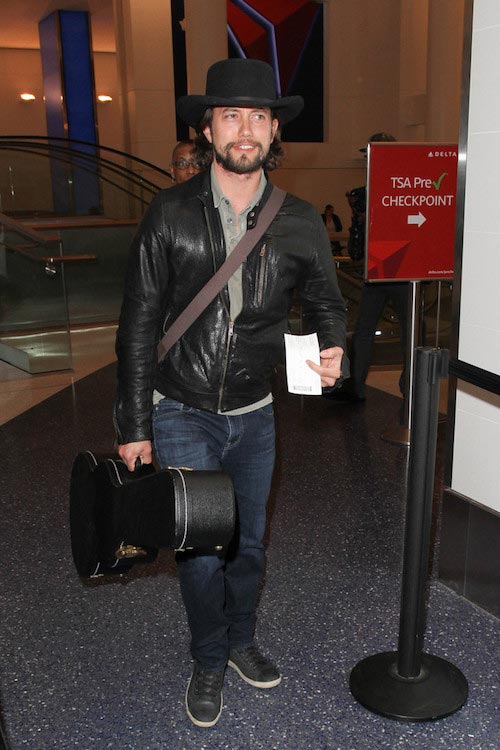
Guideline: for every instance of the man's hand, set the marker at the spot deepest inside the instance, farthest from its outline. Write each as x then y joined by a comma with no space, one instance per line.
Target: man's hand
329,369
130,452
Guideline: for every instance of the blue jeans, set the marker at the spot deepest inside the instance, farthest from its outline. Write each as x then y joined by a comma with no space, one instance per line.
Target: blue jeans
220,590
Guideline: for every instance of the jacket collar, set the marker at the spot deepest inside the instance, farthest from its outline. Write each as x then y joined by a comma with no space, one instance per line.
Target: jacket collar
218,195
202,184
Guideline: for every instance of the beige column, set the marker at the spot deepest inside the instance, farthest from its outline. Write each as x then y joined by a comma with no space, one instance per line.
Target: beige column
413,70
444,61
206,39
145,63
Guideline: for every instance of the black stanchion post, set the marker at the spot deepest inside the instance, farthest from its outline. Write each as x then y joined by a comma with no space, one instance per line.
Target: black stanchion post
409,685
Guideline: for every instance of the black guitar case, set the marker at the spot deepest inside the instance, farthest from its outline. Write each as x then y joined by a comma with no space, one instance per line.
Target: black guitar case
118,517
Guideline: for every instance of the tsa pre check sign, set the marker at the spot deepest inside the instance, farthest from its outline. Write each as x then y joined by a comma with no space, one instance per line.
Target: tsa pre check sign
411,208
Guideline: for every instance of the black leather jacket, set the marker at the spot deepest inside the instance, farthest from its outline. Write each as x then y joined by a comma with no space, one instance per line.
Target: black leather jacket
215,365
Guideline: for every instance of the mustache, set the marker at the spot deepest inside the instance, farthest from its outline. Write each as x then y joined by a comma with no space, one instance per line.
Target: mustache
244,142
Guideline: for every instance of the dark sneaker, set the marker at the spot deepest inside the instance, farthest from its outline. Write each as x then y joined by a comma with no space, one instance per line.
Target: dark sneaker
204,697
253,667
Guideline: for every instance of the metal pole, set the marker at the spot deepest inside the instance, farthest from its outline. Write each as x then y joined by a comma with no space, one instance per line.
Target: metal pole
438,314
430,366
409,685
401,433
413,336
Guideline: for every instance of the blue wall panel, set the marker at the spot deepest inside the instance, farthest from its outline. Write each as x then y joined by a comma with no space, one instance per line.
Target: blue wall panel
54,107
70,107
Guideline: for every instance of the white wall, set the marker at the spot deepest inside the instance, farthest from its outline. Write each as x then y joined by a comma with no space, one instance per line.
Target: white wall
477,446
479,335
477,421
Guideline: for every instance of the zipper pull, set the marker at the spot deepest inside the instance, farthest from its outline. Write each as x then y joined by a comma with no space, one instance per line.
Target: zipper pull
231,328
263,250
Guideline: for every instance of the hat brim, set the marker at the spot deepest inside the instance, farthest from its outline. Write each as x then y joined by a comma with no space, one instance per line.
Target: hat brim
192,107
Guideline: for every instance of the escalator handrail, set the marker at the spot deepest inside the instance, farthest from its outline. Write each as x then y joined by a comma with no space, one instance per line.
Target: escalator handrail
63,158
112,166
46,138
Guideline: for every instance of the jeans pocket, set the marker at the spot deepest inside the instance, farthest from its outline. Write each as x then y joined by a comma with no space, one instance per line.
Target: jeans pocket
169,407
268,411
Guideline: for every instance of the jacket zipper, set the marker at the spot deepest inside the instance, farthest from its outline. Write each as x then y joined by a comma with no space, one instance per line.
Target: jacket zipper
230,332
231,324
223,299
262,270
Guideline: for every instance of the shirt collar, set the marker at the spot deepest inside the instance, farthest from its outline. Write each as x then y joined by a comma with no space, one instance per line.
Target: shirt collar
218,195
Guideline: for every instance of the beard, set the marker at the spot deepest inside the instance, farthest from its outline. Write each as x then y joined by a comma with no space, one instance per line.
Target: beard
243,164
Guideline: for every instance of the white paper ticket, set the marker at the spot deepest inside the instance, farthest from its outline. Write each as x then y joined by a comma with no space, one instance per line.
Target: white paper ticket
300,378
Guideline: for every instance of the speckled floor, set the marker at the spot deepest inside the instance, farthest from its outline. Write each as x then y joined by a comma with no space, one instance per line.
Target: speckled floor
105,664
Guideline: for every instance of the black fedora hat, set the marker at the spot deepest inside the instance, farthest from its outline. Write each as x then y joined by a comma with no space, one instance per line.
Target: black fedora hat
239,83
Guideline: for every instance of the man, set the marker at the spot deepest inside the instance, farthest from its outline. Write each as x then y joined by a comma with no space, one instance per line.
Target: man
184,162
333,224
357,202
212,400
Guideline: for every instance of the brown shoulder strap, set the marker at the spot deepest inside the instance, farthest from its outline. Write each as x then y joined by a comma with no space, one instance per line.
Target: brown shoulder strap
222,276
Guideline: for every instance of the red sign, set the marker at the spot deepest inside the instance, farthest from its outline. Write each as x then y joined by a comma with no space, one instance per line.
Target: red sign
411,205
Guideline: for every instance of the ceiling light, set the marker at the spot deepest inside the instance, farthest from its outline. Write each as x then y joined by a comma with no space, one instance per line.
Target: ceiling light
25,97
105,98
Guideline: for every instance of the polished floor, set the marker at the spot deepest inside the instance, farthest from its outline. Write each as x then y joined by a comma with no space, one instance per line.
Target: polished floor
104,664
92,348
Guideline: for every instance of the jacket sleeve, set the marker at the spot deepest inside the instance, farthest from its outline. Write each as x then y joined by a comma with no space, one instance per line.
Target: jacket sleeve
323,306
140,325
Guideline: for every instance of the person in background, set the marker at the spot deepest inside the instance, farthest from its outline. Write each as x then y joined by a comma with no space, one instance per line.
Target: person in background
184,162
333,224
208,404
374,297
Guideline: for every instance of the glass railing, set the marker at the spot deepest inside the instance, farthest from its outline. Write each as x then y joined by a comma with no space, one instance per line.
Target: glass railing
95,289
34,321
53,281
68,213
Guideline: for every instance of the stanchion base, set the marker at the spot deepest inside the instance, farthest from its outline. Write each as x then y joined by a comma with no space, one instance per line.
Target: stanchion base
398,434
440,690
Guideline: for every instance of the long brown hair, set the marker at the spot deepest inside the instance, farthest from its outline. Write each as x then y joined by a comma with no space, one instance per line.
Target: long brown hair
204,152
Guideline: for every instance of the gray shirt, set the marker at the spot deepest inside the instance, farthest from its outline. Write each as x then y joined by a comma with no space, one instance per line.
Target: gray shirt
234,227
